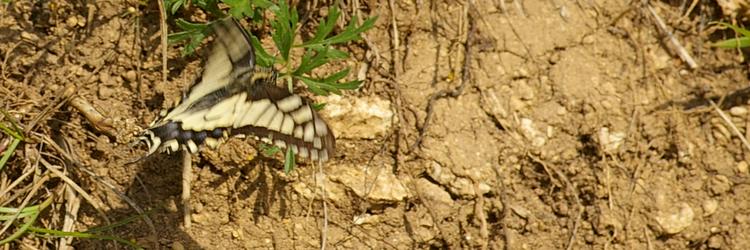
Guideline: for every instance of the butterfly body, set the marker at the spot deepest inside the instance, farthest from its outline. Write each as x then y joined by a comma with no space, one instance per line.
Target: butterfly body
233,97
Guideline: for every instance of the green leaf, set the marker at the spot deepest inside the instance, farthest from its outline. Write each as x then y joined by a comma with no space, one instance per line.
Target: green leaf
314,58
173,5
349,34
269,150
740,42
239,8
326,26
193,32
323,87
212,6
289,161
319,106
262,57
283,29
264,4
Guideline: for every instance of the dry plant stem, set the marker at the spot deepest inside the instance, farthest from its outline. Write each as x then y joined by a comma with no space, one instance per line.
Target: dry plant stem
731,125
322,182
465,78
72,205
680,50
100,122
163,30
395,40
481,217
506,211
5,60
72,184
187,177
13,185
32,193
111,187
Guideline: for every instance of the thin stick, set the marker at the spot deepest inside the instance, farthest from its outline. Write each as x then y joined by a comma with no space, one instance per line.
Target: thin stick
680,50
731,125
324,231
187,175
163,30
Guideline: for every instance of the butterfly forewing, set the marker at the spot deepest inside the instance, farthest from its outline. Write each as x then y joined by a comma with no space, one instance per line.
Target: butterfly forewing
233,97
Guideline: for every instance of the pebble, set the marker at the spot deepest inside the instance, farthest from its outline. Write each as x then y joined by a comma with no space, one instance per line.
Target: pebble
715,242
131,76
71,21
719,184
710,206
177,246
742,167
675,220
106,92
738,111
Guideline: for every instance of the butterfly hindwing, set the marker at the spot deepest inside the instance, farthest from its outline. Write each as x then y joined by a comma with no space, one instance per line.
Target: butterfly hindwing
233,97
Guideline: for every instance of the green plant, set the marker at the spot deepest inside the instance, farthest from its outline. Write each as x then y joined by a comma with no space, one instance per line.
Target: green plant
15,134
740,42
318,51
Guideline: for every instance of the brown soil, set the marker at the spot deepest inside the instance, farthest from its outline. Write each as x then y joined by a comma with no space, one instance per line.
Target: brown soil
568,132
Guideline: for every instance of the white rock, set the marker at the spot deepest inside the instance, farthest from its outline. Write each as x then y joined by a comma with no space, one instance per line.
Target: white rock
676,219
610,141
536,137
710,206
358,117
377,185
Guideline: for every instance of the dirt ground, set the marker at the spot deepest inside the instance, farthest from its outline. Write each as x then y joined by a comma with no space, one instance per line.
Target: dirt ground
555,124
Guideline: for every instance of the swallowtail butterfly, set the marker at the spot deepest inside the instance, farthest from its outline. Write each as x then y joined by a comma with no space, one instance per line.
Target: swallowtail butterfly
234,97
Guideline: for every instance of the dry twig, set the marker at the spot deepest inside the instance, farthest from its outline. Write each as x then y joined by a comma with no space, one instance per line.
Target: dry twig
187,177
680,50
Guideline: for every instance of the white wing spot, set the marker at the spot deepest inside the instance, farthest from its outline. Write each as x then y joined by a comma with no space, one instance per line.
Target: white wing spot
309,132
254,112
265,119
287,127
278,118
302,115
290,103
299,132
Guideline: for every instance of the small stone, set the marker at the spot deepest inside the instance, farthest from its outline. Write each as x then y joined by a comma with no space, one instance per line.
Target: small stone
171,206
201,218
738,111
742,167
177,246
719,184
81,21
373,184
710,206
676,219
715,242
106,92
198,207
358,118
29,36
71,21
131,76
237,234
521,211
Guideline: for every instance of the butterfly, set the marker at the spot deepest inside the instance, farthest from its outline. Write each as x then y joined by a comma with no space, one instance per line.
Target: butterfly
234,97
